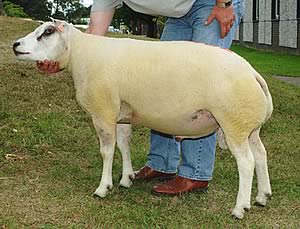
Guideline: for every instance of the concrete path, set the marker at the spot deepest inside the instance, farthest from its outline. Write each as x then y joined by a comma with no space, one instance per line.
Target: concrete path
291,80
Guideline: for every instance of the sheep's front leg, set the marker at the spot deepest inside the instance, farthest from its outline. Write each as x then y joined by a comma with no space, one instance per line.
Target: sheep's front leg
106,134
123,140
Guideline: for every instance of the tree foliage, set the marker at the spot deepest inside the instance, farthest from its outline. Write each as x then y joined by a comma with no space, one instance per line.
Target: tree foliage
160,21
71,10
74,11
37,9
135,21
13,10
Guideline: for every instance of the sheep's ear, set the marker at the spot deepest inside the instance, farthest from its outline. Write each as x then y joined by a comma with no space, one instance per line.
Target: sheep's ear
56,20
60,25
52,19
41,22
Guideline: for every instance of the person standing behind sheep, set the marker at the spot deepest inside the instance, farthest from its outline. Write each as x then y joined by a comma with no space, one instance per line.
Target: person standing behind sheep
213,22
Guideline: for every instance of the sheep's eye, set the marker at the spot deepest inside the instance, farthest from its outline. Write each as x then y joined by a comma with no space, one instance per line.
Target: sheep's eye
48,32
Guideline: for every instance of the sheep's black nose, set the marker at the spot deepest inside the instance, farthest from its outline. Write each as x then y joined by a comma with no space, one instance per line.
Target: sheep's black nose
16,44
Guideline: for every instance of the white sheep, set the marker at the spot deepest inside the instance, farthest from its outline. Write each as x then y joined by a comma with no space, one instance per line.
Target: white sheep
179,88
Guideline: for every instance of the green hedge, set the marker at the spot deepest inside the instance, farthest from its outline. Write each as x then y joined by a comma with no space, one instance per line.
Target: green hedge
13,10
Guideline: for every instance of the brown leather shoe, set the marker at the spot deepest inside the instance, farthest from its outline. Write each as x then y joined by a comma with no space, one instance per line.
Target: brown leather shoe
147,174
180,185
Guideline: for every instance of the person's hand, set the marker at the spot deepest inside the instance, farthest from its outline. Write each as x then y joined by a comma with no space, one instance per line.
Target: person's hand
48,67
225,17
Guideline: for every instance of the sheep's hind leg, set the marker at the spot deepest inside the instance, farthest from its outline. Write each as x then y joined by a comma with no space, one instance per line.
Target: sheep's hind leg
123,140
260,156
106,134
245,163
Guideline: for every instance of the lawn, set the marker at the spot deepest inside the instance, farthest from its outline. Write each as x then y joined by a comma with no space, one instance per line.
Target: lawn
271,63
50,163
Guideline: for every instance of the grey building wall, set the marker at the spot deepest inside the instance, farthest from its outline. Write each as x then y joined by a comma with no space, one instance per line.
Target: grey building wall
248,22
265,24
279,34
237,34
288,23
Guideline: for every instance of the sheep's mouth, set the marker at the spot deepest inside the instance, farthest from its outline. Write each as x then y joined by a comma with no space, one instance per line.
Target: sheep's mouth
20,53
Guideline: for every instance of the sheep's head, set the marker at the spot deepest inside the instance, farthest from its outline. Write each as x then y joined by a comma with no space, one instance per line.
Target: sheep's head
49,41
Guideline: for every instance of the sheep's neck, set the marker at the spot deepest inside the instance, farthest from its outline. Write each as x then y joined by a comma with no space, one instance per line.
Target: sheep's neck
87,54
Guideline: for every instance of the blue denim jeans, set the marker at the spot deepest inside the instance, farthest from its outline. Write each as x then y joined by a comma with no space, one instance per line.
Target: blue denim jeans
198,155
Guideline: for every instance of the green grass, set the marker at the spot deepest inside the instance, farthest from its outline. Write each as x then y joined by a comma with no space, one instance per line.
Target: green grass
58,166
271,63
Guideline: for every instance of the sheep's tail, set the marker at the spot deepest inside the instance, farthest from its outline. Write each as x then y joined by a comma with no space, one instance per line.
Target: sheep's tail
266,91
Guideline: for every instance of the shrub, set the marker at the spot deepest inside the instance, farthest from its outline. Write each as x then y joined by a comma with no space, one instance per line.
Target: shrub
13,10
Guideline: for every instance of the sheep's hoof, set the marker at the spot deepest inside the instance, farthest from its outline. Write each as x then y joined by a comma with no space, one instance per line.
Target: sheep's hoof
238,213
259,204
126,182
269,196
247,209
235,217
261,200
132,176
102,191
96,196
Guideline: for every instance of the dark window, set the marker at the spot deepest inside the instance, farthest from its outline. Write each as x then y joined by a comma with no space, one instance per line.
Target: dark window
255,10
298,9
275,9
